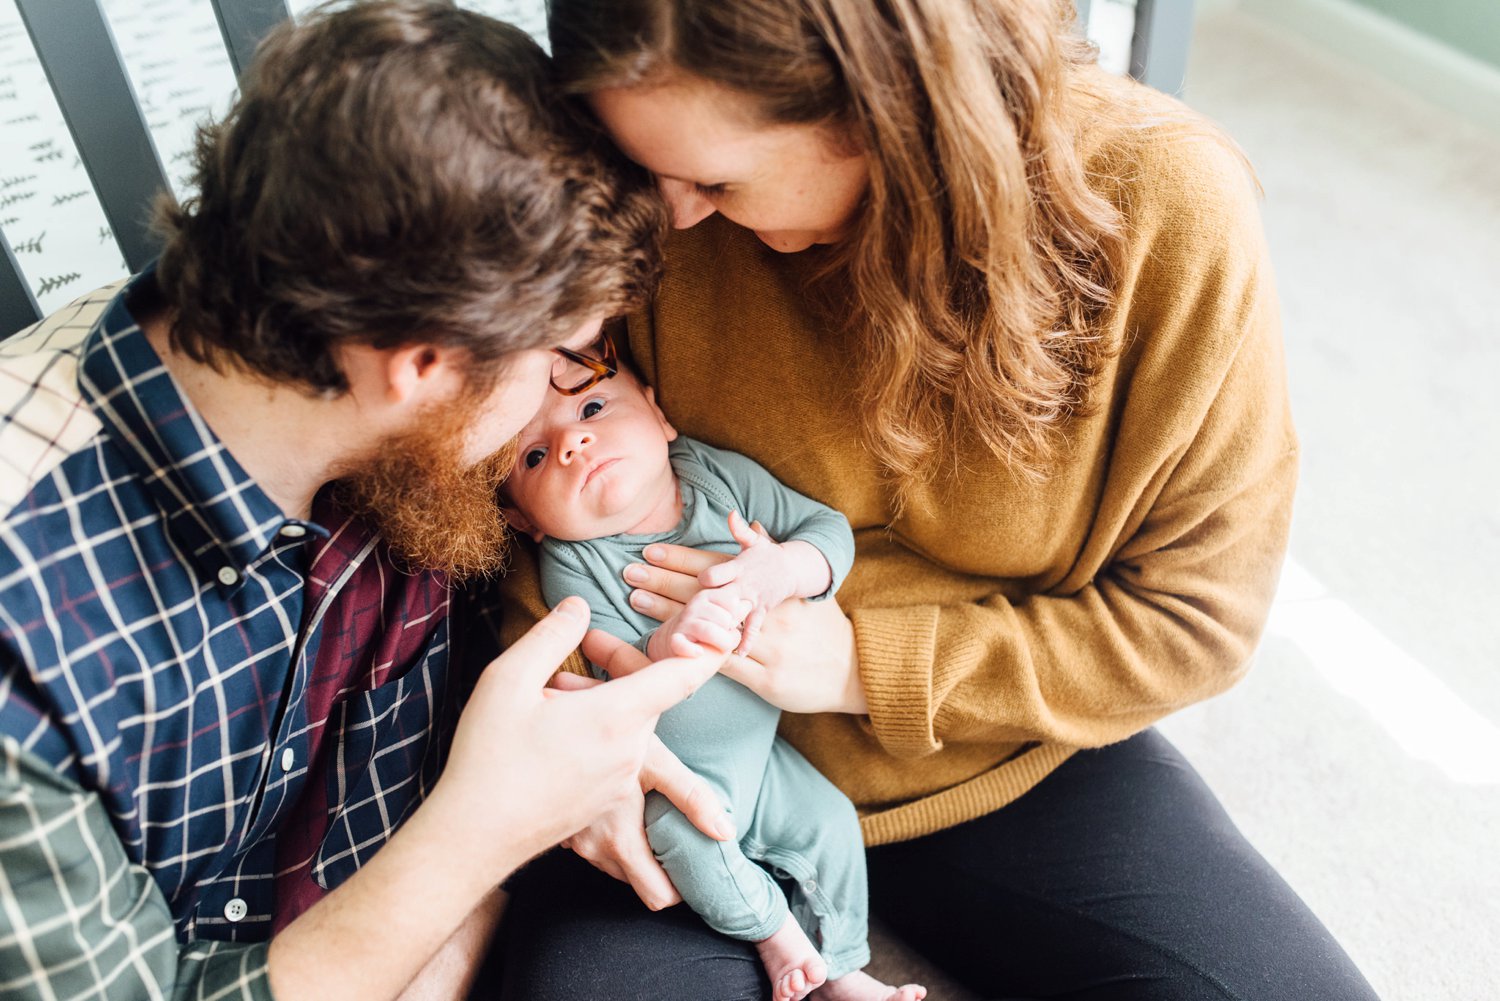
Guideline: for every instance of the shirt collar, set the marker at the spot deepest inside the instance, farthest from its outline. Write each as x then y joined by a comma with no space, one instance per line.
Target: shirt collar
221,519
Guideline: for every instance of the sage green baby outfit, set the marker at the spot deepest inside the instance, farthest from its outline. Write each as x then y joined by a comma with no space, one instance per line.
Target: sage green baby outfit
793,824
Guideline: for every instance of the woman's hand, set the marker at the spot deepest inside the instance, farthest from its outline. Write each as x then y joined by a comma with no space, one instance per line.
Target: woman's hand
805,659
615,843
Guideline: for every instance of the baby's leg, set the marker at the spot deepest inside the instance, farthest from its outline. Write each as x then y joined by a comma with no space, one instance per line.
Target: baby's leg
725,733
805,827
735,897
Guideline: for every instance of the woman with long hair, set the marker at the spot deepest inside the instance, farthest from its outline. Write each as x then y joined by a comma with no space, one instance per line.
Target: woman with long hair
1014,318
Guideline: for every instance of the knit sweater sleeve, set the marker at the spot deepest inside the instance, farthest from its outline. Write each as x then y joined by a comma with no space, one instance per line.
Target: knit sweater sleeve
1202,465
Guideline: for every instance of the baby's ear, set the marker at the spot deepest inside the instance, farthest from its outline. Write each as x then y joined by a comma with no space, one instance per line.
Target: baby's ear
518,521
666,425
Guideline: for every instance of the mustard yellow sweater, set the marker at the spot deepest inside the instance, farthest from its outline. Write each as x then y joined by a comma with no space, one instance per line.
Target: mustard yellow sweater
1001,625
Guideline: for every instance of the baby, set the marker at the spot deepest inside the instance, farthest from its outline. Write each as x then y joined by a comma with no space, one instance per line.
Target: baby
598,477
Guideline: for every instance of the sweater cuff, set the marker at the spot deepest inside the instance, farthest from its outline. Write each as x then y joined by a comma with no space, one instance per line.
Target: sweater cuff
896,648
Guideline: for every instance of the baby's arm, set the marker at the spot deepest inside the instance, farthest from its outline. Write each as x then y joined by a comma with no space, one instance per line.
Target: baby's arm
811,563
737,594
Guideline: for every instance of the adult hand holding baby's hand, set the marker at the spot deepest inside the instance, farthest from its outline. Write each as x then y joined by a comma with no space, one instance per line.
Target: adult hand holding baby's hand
755,581
805,659
519,779
709,620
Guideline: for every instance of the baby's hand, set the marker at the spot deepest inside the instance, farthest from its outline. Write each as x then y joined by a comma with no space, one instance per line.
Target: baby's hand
758,579
709,620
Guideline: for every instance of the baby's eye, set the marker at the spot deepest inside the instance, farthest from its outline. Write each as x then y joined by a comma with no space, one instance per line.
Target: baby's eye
534,457
591,408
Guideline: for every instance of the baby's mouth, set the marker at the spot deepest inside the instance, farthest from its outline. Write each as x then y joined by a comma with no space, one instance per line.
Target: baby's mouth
595,471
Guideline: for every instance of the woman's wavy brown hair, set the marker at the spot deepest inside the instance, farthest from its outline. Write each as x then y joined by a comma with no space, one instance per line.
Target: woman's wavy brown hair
401,172
983,259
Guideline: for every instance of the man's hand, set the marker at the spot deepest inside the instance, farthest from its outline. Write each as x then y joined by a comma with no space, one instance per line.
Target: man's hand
526,770
529,769
616,842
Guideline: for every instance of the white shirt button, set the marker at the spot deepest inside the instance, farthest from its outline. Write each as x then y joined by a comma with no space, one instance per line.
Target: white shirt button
236,910
811,886
293,531
228,576
288,759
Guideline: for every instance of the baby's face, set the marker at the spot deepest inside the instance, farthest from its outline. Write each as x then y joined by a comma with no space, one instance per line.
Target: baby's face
592,465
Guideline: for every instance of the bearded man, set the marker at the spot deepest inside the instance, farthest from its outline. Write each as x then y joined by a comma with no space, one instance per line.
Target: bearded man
235,491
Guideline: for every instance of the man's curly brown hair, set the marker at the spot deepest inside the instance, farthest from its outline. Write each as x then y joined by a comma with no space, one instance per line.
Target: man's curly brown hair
400,172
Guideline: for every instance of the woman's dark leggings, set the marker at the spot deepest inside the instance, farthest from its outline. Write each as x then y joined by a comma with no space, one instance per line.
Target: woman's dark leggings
1119,877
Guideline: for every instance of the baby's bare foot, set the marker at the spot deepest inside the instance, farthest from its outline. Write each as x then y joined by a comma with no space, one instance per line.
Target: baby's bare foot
792,962
860,986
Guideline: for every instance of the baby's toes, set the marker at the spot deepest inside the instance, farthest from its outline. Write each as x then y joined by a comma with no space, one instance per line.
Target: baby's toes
909,992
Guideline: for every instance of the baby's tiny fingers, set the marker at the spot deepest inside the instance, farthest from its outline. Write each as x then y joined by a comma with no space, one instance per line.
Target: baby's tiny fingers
684,647
743,533
713,606
719,574
710,635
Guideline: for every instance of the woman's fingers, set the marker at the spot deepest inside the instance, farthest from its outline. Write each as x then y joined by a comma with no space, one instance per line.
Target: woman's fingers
667,583
659,608
681,559
750,673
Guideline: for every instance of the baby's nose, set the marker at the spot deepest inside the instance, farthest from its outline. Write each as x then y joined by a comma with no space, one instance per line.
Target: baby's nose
574,444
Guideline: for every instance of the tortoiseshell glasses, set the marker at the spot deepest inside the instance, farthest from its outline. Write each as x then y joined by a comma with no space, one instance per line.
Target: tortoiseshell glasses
601,368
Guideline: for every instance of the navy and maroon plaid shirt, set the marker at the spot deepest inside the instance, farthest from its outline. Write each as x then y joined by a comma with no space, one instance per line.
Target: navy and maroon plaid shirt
210,713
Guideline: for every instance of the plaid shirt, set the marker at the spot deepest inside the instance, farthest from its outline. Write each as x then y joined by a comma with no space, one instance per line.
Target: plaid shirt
209,712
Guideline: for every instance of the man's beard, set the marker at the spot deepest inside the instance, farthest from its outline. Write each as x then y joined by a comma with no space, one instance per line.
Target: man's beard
436,512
